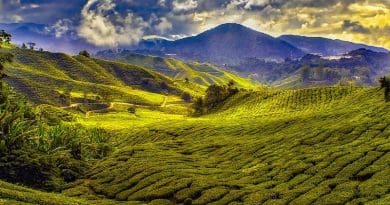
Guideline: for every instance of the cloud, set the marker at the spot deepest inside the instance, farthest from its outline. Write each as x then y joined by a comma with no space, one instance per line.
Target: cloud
101,25
184,5
62,27
354,26
163,26
16,18
122,22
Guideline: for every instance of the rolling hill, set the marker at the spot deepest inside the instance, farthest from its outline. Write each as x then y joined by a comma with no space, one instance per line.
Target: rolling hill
201,73
46,77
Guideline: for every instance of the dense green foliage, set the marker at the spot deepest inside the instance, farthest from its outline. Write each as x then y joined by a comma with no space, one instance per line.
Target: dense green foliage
215,96
41,155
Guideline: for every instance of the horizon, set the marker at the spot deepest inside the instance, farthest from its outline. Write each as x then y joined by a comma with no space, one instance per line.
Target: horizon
114,23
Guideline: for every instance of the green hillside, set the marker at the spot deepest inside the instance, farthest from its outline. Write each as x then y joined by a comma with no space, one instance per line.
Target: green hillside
46,77
313,146
327,145
200,73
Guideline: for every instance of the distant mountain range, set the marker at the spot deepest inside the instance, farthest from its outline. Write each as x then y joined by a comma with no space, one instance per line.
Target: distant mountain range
229,44
324,46
225,44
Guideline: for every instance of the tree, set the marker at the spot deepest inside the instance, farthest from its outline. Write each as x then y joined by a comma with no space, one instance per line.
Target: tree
131,110
5,37
385,84
31,45
84,53
186,80
186,97
198,106
24,46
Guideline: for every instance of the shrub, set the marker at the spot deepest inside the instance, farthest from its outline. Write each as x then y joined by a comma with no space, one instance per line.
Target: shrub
385,84
84,53
186,97
131,110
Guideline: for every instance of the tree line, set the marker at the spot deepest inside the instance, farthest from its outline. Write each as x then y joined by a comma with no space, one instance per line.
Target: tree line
215,96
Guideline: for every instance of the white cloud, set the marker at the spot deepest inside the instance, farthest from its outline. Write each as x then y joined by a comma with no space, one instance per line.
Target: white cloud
247,4
162,3
16,18
253,3
101,25
61,27
184,5
163,26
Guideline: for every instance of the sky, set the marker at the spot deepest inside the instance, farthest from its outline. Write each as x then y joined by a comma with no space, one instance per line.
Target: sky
113,23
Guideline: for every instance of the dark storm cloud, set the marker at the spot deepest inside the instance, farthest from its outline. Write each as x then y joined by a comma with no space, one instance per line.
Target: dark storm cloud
354,27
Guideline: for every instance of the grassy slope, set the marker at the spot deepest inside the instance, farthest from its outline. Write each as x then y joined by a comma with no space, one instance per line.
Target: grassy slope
43,76
321,145
200,73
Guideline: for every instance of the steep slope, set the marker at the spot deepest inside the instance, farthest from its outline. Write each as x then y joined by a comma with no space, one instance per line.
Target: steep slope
312,146
325,46
227,44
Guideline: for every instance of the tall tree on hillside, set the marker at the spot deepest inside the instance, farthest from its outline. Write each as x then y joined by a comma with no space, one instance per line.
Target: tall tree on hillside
31,45
5,37
385,84
24,46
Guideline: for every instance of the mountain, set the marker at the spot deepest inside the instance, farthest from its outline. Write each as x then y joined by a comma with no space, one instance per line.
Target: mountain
325,46
225,44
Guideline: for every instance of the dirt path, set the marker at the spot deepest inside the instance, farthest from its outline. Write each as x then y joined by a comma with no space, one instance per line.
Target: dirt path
165,101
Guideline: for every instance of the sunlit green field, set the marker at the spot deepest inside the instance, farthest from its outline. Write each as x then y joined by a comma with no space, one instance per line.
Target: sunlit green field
313,146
